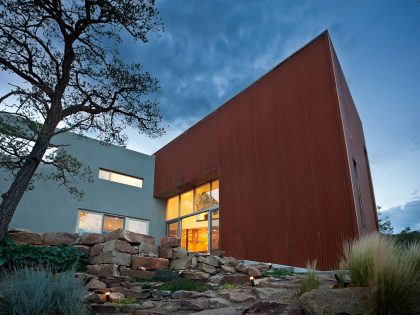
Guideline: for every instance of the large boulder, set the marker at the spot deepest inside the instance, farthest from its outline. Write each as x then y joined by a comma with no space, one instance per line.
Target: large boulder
238,295
336,301
236,278
179,252
23,237
212,261
148,263
165,252
96,249
195,275
147,249
119,246
131,237
91,239
137,274
169,241
209,269
222,311
113,257
57,238
181,263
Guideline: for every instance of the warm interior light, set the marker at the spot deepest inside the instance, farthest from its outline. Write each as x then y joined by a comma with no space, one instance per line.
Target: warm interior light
251,278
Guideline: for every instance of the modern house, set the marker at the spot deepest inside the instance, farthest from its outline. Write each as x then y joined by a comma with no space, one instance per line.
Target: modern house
279,173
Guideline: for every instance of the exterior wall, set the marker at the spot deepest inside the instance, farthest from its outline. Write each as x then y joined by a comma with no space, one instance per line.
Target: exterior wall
279,150
49,207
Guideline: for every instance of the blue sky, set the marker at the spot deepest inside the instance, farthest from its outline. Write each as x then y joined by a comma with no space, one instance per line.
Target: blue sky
213,49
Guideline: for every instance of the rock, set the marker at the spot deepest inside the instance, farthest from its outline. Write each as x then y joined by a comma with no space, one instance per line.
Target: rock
262,307
241,267
227,268
218,303
194,262
117,258
161,294
212,261
131,237
24,237
169,241
179,252
195,304
96,249
336,301
148,305
149,249
57,238
216,279
119,290
195,275
95,284
130,308
236,278
93,297
277,295
165,252
229,261
182,294
209,269
222,311
254,272
137,274
149,263
119,246
91,239
108,270
181,263
105,308
201,259
83,248
143,294
276,283
116,296
85,277
238,295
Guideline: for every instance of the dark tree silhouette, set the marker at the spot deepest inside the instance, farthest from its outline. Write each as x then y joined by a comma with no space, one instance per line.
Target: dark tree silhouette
64,56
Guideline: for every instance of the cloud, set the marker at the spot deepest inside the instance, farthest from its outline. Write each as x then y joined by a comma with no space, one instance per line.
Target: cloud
405,215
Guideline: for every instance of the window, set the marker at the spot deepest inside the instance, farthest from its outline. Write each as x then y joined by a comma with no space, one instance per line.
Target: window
96,222
172,208
120,178
186,204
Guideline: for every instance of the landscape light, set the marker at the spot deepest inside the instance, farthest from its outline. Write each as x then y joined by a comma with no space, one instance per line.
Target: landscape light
107,296
252,281
270,265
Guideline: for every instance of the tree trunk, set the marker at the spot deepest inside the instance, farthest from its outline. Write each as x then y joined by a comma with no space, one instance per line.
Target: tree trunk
13,196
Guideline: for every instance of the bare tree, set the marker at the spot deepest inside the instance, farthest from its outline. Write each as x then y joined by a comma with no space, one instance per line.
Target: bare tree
64,54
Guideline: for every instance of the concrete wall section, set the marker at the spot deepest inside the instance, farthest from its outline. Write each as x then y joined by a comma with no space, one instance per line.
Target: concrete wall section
50,207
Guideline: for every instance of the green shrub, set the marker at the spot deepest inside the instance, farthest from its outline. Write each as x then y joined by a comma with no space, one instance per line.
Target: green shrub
310,280
277,273
392,272
61,257
183,284
29,291
227,286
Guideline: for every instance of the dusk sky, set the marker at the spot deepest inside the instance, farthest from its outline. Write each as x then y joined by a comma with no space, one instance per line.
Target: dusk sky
211,50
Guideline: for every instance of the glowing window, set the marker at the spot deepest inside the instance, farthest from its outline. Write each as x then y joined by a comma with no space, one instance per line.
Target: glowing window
187,203
112,223
215,191
120,178
172,208
89,222
202,197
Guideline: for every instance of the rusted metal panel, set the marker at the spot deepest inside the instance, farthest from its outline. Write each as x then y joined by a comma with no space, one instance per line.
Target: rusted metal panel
279,150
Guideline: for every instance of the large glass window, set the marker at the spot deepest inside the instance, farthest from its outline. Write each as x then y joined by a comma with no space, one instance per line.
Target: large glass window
187,203
89,222
173,229
215,231
215,192
120,178
202,197
194,236
172,207
96,222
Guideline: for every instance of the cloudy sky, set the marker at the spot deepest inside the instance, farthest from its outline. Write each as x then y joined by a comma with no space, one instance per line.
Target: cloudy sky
213,49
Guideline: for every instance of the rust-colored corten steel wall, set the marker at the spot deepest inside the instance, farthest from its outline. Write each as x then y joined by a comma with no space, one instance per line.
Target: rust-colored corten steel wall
282,151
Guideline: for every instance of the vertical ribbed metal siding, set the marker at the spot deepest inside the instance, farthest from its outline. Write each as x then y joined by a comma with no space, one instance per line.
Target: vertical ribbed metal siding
279,151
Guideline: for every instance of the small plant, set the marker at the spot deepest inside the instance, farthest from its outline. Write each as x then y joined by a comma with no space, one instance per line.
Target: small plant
227,286
340,277
61,257
310,280
29,291
183,284
278,273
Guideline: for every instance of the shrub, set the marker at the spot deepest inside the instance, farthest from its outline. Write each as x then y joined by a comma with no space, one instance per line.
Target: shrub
310,280
183,284
61,257
277,273
227,286
390,270
29,291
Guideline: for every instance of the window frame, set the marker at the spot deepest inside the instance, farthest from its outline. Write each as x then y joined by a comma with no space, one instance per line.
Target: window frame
123,174
102,214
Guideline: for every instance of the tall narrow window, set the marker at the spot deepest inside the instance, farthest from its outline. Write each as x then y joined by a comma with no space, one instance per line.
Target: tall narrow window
120,178
202,197
172,208
187,203
359,194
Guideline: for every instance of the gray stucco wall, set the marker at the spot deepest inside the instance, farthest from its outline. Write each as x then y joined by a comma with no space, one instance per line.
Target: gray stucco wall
50,207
